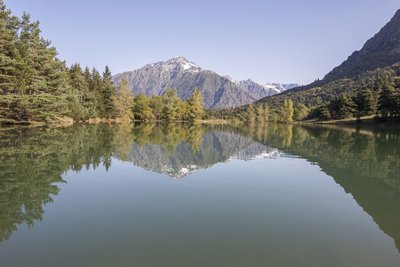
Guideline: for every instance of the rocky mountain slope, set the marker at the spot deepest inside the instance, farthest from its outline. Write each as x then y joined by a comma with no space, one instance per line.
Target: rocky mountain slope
261,90
218,91
375,60
382,50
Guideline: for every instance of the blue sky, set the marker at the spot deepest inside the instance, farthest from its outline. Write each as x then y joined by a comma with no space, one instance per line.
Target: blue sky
268,41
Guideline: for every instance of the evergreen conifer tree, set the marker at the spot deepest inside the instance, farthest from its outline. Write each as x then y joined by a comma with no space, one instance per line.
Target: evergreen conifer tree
7,50
108,94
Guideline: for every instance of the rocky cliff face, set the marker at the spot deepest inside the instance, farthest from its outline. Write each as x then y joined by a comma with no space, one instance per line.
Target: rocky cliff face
218,91
379,52
382,50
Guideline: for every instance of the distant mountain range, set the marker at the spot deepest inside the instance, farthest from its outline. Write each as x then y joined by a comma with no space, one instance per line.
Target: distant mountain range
215,147
180,73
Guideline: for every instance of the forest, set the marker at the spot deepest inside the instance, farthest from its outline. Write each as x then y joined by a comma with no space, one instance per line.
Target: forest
36,86
373,93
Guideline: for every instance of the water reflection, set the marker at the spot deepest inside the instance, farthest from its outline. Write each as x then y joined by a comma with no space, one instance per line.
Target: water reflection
365,163
179,150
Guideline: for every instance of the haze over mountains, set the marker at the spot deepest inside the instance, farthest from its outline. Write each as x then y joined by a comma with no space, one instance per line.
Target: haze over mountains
180,73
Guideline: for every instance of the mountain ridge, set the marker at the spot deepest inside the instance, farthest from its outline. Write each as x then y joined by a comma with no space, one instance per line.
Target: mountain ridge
218,91
382,51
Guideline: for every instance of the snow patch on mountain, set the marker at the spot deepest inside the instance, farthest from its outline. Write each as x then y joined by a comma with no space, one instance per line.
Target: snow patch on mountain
260,90
184,75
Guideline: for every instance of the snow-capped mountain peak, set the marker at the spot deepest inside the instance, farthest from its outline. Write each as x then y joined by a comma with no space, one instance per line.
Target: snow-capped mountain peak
264,89
183,63
184,75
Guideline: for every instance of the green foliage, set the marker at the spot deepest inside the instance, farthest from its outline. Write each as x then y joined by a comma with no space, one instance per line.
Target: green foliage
33,162
384,103
7,50
301,112
288,110
366,102
195,106
107,94
141,108
157,106
123,101
342,107
323,113
36,86
250,115
24,108
364,89
168,107
258,112
389,101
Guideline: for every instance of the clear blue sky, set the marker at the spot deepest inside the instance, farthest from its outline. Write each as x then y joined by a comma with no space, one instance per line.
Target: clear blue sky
269,40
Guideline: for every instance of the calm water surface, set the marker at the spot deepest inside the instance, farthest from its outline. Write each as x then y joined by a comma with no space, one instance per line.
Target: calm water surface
271,195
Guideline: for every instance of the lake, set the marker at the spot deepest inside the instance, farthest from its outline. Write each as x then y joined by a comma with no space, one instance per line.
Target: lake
146,195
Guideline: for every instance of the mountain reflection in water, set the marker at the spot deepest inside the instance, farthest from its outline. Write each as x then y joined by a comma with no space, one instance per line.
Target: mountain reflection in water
33,161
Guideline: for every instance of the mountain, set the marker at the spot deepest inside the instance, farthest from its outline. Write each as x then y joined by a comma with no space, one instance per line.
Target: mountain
380,51
264,89
214,147
376,59
218,91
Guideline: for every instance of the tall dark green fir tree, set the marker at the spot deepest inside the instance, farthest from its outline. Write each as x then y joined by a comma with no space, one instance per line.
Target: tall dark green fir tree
108,94
7,49
366,102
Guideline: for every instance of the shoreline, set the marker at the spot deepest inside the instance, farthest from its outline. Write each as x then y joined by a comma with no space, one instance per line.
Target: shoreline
369,122
364,122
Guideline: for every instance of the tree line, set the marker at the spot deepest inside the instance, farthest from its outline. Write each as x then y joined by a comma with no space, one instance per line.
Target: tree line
370,93
35,85
287,112
375,94
383,103
167,108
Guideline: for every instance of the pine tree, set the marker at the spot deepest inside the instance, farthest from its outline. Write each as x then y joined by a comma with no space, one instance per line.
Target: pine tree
366,102
196,108
343,107
7,47
96,87
88,76
387,105
323,113
81,100
107,94
29,58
